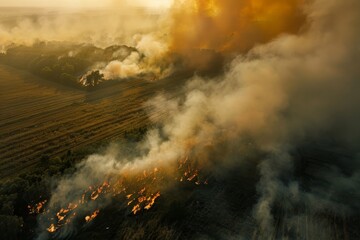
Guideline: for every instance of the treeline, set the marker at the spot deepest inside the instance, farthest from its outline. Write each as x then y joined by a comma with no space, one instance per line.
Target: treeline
61,62
16,221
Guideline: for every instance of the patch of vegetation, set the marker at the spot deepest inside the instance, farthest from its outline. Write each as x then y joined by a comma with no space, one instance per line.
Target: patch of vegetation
63,63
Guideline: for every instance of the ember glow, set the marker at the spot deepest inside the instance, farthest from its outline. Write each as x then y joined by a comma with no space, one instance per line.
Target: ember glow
37,208
51,229
140,192
92,216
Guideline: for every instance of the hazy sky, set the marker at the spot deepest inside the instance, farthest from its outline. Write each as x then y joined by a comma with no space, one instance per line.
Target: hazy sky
84,3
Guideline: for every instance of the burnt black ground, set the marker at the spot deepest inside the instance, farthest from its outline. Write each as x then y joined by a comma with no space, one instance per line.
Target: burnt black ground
223,209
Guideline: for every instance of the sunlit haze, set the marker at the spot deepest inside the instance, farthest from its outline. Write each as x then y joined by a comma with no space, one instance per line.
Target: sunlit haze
85,3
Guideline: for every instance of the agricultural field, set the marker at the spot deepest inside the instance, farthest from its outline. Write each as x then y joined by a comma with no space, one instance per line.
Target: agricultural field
39,117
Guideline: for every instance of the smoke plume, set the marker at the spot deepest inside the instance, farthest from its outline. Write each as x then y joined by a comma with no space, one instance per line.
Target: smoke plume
293,89
232,25
148,61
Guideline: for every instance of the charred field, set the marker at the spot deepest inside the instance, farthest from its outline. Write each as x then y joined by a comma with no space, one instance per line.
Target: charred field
193,119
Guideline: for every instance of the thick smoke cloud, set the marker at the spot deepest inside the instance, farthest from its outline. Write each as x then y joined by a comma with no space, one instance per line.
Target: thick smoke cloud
279,95
147,60
232,25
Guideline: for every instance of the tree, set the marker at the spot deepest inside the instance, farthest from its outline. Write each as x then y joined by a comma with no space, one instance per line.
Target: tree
93,78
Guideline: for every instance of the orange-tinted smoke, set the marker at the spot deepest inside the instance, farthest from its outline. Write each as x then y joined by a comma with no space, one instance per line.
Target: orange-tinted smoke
232,25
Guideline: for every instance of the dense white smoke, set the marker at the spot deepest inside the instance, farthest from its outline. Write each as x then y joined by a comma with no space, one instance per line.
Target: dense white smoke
280,94
146,61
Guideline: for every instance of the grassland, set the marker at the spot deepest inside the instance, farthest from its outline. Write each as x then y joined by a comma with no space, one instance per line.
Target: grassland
39,117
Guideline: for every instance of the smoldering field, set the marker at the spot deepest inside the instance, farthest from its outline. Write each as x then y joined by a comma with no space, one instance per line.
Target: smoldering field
275,137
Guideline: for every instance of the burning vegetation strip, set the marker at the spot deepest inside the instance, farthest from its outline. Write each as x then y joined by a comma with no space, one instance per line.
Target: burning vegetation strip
140,193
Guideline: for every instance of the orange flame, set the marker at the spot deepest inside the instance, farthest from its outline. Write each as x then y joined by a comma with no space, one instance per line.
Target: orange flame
151,201
52,228
37,208
92,216
140,190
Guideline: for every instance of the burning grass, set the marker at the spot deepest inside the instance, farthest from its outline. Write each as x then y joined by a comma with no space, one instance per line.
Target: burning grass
136,192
